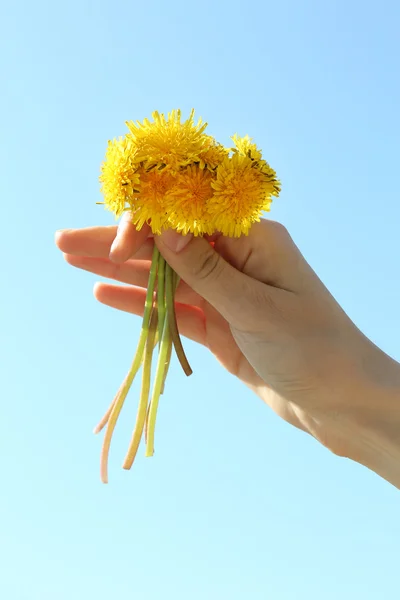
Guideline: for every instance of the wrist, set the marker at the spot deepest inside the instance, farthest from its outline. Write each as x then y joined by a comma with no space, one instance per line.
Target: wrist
370,428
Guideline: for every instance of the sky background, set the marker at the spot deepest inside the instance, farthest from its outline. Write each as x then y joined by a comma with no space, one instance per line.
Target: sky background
235,504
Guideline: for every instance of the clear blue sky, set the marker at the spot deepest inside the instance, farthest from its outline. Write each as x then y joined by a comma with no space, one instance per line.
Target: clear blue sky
235,504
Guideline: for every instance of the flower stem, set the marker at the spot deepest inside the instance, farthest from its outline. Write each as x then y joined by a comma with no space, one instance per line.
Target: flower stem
158,383
100,426
166,368
137,361
162,310
167,363
175,282
161,296
146,424
144,394
161,320
170,286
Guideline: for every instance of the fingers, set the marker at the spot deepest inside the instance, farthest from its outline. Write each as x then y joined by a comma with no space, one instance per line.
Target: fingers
91,241
191,319
128,239
267,254
134,272
96,242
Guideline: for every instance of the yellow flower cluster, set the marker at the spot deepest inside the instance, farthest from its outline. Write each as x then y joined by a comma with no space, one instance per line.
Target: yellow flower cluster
171,174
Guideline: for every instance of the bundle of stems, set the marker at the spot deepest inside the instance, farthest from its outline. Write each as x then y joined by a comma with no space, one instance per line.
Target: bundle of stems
159,330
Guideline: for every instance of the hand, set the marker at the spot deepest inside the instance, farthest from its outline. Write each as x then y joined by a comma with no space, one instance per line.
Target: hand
265,315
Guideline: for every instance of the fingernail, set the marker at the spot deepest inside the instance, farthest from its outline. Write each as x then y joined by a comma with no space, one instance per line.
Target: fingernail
58,234
114,245
175,241
115,250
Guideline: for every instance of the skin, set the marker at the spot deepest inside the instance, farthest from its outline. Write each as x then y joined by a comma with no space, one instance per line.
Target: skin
257,305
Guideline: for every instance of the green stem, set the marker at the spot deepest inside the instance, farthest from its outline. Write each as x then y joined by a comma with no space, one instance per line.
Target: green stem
158,383
100,426
137,361
157,341
170,302
144,394
106,416
162,303
161,296
175,280
146,424
167,363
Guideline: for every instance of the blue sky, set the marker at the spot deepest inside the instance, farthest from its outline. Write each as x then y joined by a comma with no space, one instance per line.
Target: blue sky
235,504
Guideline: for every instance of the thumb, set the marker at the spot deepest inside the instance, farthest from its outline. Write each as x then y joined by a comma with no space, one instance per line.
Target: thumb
228,290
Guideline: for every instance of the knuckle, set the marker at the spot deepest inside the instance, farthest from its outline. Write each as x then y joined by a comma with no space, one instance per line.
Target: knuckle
275,309
279,230
209,266
279,237
264,304
260,311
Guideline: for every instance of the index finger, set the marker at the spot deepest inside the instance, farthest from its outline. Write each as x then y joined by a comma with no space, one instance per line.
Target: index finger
96,242
128,240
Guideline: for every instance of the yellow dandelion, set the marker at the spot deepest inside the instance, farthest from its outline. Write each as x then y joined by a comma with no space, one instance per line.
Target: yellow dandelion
246,147
148,205
187,201
168,141
118,176
212,155
242,192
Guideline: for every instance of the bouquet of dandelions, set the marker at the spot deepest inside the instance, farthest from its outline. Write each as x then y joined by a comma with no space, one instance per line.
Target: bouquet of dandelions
171,174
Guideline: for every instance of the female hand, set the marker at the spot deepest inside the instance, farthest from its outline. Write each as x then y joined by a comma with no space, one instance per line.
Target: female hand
262,311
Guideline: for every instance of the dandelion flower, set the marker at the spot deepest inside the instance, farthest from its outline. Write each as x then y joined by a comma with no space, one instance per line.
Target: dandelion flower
168,142
212,155
187,201
246,147
148,205
243,190
118,176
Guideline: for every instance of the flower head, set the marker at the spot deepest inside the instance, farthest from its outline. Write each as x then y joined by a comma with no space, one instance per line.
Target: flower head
118,176
212,155
245,147
148,205
168,142
187,201
242,192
